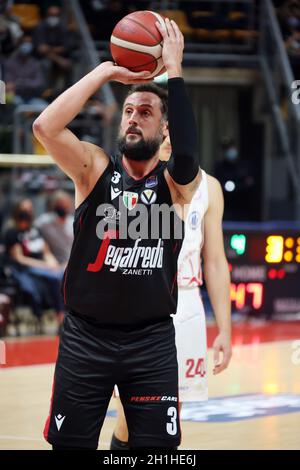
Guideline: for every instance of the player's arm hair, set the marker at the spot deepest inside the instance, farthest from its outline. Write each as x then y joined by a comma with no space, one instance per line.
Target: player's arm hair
183,166
81,161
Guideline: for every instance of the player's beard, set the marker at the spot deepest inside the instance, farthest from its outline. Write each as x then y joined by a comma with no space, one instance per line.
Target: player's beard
141,150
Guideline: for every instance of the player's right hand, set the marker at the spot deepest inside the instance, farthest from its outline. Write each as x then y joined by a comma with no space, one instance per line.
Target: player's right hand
173,45
222,344
124,75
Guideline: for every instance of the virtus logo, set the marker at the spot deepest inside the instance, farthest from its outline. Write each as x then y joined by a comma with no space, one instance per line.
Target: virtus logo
2,92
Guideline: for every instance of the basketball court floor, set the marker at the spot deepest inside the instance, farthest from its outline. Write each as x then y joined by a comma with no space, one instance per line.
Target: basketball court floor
254,404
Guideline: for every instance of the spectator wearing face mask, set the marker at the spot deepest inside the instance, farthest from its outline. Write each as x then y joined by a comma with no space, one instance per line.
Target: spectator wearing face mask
96,116
289,16
24,76
292,45
56,226
236,176
51,42
33,265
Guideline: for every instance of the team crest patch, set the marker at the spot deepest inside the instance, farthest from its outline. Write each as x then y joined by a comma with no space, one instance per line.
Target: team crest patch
194,220
151,182
130,199
148,196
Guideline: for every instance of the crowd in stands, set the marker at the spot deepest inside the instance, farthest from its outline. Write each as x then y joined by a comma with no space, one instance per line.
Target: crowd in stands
36,51
288,13
35,55
35,254
198,20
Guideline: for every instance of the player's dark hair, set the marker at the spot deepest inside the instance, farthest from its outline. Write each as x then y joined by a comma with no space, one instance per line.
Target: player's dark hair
156,90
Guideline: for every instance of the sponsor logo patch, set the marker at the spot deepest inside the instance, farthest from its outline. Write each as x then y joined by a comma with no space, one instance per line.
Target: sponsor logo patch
59,419
151,182
114,192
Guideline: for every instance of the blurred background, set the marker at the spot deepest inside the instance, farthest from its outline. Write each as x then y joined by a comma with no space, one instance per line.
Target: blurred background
241,63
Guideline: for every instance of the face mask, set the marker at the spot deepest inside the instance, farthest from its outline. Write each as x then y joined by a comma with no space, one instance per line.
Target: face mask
231,154
26,48
24,216
53,21
293,22
93,110
296,44
60,211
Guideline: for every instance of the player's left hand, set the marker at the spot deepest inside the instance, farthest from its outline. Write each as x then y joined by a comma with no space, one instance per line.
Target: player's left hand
222,344
173,45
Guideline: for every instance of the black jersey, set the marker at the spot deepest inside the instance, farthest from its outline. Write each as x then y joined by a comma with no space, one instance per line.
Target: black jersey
113,278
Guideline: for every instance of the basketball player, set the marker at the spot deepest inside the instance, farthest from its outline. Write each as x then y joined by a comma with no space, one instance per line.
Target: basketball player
121,291
203,238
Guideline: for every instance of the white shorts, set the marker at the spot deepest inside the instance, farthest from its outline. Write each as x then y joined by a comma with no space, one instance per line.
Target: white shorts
190,328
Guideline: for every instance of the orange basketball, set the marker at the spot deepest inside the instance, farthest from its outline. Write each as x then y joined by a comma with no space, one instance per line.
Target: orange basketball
136,43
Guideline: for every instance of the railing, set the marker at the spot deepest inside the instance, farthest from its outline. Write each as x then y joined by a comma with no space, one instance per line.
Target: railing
89,54
210,35
278,77
38,167
88,58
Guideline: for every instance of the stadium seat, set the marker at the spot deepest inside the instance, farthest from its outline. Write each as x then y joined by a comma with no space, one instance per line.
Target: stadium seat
236,15
244,34
29,15
180,18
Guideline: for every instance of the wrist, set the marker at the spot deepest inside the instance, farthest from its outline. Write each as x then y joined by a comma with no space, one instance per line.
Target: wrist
102,73
174,72
225,331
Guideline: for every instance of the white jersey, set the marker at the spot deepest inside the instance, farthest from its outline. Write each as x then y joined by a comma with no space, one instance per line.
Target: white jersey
189,260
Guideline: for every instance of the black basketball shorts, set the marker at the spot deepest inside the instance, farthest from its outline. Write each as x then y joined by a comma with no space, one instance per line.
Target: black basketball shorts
91,360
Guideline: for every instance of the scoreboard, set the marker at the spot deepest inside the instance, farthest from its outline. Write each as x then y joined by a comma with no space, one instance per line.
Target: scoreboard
264,263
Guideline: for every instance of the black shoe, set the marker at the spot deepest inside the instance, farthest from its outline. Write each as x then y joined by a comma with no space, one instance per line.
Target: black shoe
116,444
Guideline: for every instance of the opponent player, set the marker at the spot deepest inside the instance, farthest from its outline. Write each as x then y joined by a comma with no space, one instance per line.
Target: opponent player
203,239
121,291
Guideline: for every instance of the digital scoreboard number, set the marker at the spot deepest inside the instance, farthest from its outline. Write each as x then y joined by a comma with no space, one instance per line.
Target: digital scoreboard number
264,262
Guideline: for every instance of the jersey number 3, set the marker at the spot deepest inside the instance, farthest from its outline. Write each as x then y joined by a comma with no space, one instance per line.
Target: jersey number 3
172,426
